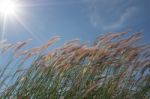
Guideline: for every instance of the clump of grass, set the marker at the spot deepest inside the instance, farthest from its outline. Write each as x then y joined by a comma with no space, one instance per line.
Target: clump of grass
114,67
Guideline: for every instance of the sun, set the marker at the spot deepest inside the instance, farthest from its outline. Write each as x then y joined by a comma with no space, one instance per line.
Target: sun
8,7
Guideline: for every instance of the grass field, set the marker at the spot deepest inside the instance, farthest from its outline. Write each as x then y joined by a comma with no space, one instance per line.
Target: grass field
115,66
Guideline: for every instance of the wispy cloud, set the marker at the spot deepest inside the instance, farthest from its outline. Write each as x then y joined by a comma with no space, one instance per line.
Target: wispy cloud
108,15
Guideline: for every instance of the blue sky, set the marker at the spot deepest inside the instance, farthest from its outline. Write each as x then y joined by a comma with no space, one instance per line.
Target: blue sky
71,19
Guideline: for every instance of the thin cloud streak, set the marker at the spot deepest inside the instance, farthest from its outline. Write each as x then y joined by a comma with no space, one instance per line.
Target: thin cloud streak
109,15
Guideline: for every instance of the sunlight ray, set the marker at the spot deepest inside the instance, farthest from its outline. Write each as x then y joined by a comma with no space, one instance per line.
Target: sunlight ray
35,4
3,33
27,28
3,28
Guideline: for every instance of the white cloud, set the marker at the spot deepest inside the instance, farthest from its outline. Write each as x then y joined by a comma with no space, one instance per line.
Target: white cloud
108,15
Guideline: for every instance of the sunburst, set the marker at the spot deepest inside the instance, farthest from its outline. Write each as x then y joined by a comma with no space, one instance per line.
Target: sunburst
14,10
8,7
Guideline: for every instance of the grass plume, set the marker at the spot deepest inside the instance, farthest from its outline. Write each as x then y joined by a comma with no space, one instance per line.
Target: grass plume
114,67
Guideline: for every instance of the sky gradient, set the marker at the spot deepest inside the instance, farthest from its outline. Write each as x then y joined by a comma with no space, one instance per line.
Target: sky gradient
71,19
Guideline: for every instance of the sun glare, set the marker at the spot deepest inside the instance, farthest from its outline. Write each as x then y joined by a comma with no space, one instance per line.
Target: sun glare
8,7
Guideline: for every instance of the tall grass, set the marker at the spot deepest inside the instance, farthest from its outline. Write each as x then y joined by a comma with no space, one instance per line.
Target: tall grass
113,67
